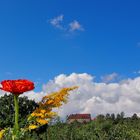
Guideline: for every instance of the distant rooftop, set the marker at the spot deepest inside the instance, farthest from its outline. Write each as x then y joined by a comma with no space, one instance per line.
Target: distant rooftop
79,116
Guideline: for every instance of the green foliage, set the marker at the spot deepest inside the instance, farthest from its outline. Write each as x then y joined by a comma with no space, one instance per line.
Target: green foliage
104,127
109,127
7,110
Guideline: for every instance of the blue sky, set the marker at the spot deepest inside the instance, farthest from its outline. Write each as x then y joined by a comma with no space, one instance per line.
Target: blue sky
107,38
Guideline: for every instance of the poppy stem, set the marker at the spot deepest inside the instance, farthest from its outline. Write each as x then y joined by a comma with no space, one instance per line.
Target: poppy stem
16,114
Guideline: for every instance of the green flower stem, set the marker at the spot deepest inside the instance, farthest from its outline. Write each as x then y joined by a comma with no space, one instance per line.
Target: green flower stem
16,114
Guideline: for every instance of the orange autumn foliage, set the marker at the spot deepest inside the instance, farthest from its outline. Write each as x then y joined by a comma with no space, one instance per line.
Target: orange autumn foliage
43,114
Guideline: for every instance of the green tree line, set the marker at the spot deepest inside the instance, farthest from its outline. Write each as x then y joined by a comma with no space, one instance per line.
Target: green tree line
103,127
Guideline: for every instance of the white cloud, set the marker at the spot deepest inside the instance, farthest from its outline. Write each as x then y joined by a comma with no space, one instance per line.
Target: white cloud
109,77
95,98
137,72
75,26
92,97
71,27
57,21
2,92
138,44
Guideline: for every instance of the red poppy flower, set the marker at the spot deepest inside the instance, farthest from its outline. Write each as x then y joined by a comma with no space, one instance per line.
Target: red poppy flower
17,86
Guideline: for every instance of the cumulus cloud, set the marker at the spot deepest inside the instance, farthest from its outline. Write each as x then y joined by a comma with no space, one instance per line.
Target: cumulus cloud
57,21
109,77
94,97
75,26
2,92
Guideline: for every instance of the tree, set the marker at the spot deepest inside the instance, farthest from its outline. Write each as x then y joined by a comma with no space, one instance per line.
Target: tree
26,107
113,116
134,117
100,118
122,115
108,116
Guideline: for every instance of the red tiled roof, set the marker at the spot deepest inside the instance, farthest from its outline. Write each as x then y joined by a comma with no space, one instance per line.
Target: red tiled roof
79,116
